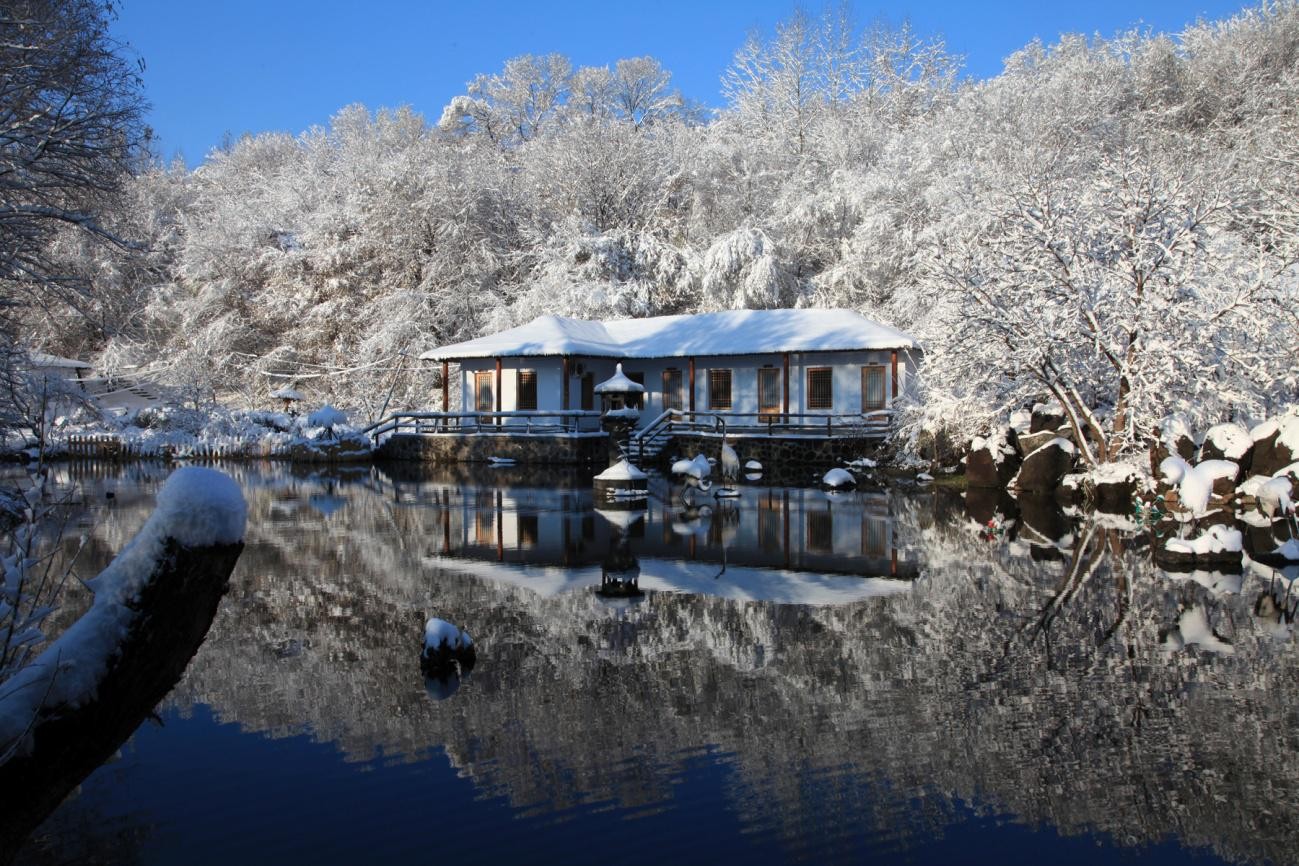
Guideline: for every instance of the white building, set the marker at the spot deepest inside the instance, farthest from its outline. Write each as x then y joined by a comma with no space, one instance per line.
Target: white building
752,367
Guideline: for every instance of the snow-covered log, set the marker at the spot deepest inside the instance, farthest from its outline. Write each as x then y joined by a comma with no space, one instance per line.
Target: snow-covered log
76,703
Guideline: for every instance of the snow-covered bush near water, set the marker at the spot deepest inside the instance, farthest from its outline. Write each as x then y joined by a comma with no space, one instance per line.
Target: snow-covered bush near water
179,432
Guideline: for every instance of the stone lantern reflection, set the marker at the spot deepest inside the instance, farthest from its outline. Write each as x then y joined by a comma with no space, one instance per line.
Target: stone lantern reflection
620,570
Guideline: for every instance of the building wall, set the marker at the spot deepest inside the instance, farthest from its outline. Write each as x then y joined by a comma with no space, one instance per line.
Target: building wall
846,379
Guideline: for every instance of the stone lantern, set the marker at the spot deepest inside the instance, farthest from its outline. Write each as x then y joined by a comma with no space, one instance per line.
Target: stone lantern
289,396
620,401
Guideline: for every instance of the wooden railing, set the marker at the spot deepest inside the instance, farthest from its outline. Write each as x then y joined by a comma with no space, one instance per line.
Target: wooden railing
876,424
524,423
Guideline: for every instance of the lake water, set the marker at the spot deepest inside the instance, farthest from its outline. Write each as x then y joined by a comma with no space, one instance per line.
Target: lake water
806,677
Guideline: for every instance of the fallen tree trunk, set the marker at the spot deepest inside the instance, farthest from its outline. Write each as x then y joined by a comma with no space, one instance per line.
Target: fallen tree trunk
76,704
172,617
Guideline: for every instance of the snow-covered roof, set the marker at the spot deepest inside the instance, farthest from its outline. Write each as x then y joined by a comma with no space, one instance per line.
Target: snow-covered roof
732,332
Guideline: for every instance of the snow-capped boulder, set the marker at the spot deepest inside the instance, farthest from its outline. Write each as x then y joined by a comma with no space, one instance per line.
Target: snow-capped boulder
1172,438
838,479
1218,547
1114,485
1046,418
1227,442
993,461
446,647
1276,444
1197,484
1044,468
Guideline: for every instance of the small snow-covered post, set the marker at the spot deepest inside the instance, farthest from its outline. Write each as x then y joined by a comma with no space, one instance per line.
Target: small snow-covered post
73,706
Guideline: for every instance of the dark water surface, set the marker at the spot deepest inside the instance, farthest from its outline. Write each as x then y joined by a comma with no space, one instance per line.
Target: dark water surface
807,677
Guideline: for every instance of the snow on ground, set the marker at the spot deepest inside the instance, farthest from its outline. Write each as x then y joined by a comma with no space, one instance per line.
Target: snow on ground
197,507
156,431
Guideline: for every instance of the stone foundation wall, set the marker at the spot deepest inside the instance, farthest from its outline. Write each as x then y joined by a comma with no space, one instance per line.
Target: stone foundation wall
772,451
481,447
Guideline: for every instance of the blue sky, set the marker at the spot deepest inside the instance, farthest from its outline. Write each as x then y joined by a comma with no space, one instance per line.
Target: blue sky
235,66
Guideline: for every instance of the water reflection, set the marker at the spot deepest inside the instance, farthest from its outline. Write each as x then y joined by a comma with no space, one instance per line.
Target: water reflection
874,671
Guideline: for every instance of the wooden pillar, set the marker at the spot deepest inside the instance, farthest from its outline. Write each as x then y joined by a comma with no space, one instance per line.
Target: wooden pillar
446,386
563,387
784,512
785,388
498,385
692,384
894,393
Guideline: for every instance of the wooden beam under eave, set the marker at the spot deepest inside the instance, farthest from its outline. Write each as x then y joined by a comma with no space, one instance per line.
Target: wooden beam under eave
785,388
498,385
692,384
446,386
894,393
563,375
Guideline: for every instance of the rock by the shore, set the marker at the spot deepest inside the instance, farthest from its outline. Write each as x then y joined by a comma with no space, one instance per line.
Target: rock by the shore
1046,419
1172,438
1276,444
1227,442
1114,485
1218,547
993,461
1043,469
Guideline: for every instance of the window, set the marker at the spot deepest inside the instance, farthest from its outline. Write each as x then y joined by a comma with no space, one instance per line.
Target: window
525,395
874,536
872,388
529,531
820,392
672,389
820,531
719,389
768,391
588,392
484,399
770,525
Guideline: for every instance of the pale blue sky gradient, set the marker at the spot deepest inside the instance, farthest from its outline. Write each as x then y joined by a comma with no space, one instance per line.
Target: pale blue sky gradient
235,66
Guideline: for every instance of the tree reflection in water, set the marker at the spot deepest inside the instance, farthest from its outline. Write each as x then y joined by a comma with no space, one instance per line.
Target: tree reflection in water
869,662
